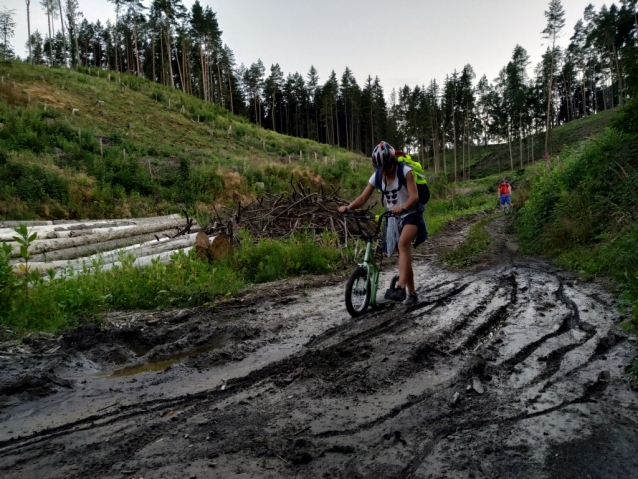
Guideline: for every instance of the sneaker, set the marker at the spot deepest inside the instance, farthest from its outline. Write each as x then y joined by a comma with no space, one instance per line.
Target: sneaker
412,300
398,294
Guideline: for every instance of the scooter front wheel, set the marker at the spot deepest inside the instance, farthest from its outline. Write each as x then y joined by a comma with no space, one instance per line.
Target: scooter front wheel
357,292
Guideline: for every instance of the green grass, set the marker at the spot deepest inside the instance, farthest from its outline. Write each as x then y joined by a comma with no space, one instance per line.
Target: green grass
476,242
53,304
452,201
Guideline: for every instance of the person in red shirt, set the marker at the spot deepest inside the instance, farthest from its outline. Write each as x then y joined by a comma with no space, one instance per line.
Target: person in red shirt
504,194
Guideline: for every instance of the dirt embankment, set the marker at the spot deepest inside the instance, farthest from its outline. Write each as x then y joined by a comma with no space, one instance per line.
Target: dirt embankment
511,369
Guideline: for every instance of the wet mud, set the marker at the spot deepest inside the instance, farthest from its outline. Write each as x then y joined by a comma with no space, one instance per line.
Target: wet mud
510,369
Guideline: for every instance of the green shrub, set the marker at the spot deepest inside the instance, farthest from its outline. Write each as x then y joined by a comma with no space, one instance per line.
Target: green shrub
269,259
627,118
31,183
59,302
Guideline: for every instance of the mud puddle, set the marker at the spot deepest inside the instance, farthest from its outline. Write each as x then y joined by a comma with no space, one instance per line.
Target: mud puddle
155,366
514,370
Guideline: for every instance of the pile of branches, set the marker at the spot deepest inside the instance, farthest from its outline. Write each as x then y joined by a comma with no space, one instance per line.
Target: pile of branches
280,216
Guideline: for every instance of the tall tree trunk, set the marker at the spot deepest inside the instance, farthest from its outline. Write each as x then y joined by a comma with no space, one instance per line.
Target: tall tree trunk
71,13
169,53
454,130
230,91
272,115
567,94
337,121
180,70
153,55
219,78
584,100
137,51
463,153
201,63
549,96
62,24
533,133
621,100
520,136
115,37
509,141
161,42
50,36
28,2
444,157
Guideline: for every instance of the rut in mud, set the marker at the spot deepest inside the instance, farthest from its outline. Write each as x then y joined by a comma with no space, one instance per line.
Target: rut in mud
514,370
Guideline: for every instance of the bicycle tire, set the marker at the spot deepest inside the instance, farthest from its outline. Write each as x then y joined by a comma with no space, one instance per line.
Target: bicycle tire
358,275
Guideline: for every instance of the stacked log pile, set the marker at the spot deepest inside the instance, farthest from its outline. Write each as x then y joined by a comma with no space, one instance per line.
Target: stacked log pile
71,247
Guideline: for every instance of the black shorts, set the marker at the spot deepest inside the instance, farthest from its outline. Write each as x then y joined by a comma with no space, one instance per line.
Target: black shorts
411,219
417,220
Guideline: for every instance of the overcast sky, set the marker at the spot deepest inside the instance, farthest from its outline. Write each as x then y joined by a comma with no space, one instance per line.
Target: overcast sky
401,41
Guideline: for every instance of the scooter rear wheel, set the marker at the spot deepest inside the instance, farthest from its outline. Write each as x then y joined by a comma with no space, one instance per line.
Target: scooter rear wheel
357,293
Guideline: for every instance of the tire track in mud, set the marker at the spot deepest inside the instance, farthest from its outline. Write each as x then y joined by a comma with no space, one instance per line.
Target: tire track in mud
570,321
494,321
479,424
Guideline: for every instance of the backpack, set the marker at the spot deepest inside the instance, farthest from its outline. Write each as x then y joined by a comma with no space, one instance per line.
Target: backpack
504,189
421,184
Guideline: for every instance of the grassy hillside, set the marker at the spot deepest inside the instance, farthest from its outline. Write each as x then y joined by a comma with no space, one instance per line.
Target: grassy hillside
493,159
90,144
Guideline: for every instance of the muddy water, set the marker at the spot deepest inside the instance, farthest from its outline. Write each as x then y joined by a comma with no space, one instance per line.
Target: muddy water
154,366
504,372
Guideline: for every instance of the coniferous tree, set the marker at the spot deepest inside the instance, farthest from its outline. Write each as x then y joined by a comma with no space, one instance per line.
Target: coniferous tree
555,16
7,32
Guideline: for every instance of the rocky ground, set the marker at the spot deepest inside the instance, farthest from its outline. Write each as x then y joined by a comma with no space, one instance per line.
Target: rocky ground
510,369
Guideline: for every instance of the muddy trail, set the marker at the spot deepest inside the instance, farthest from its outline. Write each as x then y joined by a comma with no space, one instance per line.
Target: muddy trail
509,369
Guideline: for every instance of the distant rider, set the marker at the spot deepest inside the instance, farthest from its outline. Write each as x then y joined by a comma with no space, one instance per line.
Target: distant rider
504,194
403,201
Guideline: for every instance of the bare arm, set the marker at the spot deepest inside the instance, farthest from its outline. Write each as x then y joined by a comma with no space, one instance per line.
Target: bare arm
359,202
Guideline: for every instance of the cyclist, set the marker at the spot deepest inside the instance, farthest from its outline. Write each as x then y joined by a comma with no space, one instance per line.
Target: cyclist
403,201
504,194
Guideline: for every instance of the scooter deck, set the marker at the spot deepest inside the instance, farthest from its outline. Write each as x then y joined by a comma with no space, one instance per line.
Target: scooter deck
383,303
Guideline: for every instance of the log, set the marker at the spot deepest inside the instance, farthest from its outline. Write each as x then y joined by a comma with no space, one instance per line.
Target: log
54,232
7,233
174,216
76,267
47,246
214,248
139,250
201,245
96,248
28,224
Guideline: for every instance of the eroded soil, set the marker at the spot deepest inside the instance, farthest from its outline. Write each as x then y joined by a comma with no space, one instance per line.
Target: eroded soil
511,369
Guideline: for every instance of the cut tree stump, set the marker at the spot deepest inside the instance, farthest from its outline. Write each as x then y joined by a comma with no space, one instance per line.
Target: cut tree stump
213,248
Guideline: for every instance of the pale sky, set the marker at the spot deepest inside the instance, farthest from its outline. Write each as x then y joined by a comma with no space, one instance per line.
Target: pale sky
401,41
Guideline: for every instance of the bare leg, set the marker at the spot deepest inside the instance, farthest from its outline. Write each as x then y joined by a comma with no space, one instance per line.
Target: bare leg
406,275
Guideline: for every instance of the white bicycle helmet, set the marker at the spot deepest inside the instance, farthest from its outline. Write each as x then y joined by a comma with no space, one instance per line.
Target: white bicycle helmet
383,156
